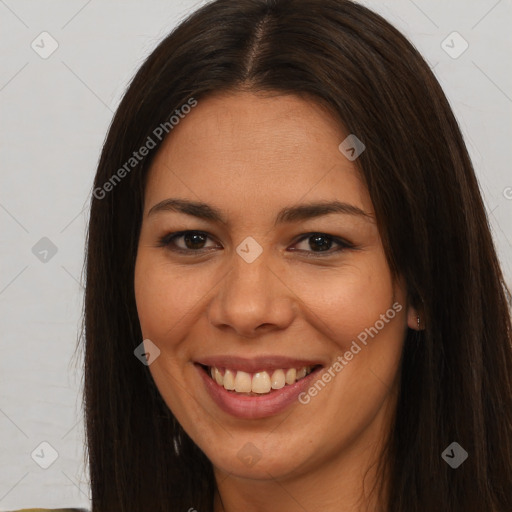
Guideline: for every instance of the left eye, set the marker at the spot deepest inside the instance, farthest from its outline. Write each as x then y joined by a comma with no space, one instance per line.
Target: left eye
323,242
194,241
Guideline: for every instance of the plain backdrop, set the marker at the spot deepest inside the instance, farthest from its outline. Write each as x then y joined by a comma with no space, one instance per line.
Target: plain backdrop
55,112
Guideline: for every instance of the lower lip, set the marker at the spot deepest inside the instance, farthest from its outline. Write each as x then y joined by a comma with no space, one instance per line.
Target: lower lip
255,407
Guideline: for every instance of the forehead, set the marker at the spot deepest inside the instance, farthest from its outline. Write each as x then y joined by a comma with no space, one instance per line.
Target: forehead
257,149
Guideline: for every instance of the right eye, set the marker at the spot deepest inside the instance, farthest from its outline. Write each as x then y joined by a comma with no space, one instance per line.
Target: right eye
193,241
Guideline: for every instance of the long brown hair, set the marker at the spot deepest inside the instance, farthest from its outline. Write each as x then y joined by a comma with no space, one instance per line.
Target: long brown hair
456,377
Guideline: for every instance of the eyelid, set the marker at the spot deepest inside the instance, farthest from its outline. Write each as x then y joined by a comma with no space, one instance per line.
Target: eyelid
342,244
334,238
166,241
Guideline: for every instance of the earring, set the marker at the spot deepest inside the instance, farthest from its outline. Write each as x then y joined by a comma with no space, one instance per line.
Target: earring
419,323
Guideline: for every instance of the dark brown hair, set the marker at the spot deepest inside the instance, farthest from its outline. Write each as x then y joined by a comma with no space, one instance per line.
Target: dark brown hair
456,375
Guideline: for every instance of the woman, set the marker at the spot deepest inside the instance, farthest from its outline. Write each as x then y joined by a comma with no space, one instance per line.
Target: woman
293,301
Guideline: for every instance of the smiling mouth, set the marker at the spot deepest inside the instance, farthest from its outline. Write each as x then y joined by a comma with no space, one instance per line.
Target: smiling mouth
258,383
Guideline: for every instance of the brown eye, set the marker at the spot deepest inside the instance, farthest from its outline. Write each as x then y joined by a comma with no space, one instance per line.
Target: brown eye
322,243
192,241
189,242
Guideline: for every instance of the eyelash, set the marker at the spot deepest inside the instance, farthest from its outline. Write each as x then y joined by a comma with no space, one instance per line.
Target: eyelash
167,242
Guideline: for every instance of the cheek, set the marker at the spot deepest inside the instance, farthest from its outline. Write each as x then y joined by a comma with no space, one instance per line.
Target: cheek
163,298
164,294
342,303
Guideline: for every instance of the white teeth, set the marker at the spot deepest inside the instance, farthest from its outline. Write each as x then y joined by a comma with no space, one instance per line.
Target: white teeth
218,377
278,379
291,375
301,372
260,382
229,380
243,382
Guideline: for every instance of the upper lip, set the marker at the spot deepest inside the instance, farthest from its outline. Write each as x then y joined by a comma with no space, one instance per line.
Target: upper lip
255,364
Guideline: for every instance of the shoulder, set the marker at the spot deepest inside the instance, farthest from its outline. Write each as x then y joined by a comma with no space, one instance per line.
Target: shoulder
51,510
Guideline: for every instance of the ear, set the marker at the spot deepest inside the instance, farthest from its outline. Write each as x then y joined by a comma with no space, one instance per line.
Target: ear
412,311
412,319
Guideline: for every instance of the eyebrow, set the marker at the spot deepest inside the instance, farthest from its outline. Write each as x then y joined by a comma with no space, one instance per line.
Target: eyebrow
288,214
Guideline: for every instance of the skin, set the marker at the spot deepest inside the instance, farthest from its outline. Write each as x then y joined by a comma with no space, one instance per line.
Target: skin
251,155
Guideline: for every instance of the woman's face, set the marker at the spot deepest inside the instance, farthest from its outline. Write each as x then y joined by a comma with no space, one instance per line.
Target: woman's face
276,285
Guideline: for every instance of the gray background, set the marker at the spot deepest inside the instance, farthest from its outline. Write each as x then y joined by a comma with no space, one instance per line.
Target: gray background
54,116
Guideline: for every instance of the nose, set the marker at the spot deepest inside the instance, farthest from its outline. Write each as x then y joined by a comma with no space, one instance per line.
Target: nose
252,299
